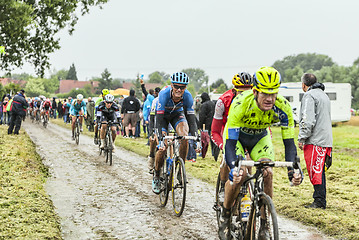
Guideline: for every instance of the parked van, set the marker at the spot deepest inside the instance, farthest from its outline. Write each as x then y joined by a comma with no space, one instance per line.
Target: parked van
338,93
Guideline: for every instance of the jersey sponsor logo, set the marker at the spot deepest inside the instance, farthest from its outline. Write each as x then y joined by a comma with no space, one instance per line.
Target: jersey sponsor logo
252,131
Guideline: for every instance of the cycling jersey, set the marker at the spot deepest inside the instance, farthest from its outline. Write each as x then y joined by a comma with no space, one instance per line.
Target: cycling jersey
77,107
247,125
108,113
220,116
46,105
167,111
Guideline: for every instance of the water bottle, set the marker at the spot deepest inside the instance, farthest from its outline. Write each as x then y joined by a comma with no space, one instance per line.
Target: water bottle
169,162
245,208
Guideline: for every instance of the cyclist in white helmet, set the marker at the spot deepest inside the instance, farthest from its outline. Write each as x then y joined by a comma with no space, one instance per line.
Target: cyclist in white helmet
78,108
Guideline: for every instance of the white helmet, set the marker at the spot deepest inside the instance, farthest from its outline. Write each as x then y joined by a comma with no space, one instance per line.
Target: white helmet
80,97
109,98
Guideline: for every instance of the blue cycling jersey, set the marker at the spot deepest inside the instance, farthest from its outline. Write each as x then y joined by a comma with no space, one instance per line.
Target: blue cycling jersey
76,107
166,105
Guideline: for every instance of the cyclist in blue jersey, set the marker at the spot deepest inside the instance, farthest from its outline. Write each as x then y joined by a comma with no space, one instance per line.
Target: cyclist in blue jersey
78,108
175,107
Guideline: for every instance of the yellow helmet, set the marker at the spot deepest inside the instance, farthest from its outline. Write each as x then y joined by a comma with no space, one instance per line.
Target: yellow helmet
242,79
105,92
267,80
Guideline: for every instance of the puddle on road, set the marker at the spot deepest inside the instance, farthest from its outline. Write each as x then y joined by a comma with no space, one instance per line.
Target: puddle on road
98,201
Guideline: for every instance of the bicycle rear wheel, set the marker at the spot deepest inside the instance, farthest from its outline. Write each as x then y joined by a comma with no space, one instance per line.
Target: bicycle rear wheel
179,186
264,206
217,205
164,177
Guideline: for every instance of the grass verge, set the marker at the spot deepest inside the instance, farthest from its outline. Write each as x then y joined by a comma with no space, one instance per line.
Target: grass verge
26,211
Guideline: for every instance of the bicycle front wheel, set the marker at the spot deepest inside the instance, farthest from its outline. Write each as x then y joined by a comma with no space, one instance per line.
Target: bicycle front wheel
164,177
178,186
77,132
217,206
109,146
263,216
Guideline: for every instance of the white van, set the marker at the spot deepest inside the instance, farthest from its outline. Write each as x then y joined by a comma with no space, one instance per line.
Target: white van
338,93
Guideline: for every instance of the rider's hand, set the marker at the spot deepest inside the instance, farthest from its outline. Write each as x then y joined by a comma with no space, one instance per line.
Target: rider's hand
146,122
141,81
297,179
300,145
235,176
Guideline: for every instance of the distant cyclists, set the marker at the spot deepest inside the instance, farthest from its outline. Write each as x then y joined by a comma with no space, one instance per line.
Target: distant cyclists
45,108
78,108
175,107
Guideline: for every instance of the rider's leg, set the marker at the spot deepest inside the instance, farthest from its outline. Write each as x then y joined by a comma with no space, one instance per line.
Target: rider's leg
151,158
73,125
103,135
182,130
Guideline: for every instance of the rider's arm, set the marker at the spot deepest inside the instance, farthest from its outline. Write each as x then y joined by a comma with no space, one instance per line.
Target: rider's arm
191,117
83,105
287,124
217,124
160,112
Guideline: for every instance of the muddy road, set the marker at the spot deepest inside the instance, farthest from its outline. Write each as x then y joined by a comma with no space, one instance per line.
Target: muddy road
98,201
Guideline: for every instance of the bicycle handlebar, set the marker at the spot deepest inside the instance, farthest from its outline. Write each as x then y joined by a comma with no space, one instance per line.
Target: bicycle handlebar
181,137
247,163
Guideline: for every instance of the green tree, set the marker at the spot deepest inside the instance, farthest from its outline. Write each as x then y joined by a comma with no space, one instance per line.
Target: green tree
28,29
105,80
158,77
302,61
197,77
59,75
21,76
72,75
12,88
2,91
222,88
35,87
218,83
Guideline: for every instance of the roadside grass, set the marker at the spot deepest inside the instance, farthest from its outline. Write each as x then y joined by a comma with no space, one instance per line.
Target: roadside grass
26,211
340,220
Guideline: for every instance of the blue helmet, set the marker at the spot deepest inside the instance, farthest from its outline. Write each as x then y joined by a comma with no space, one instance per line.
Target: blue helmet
180,77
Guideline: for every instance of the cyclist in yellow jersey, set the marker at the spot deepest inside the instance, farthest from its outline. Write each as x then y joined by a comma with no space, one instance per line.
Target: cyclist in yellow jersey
250,114
104,92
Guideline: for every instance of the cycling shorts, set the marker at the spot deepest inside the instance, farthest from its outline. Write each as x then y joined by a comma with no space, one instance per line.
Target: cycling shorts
259,146
174,119
77,112
108,117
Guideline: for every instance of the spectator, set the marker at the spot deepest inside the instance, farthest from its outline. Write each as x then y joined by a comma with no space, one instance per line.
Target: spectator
54,107
1,110
60,111
206,116
146,112
315,136
66,107
130,107
90,106
5,116
18,112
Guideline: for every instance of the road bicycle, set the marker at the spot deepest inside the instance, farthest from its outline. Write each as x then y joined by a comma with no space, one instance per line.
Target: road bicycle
173,175
77,130
242,225
45,119
108,141
37,117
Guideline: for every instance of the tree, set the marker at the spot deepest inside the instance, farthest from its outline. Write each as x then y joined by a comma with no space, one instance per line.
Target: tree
71,74
137,87
105,80
218,83
2,91
158,77
59,75
12,88
28,29
222,88
35,87
304,62
197,77
21,76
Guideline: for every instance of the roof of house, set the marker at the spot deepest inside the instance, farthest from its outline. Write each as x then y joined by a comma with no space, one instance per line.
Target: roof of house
68,85
5,81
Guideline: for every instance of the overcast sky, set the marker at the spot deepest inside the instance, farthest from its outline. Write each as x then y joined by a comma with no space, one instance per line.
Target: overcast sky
220,37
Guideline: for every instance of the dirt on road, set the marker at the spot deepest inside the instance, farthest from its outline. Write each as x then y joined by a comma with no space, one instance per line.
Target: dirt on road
98,201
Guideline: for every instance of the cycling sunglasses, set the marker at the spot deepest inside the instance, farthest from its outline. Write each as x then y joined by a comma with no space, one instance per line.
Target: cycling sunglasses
175,86
108,102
